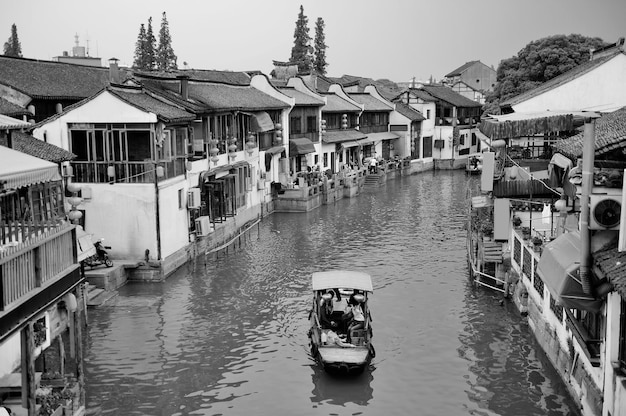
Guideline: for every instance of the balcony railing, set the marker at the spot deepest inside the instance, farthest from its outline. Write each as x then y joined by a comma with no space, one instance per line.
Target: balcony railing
127,172
35,261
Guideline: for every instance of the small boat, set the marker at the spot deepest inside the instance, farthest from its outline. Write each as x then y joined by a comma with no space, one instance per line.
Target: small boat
474,164
331,344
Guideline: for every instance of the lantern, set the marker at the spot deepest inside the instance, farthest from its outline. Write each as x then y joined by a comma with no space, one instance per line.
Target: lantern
160,172
344,121
111,172
73,188
188,165
75,215
70,302
74,201
69,171
278,134
251,143
561,205
513,172
323,126
215,159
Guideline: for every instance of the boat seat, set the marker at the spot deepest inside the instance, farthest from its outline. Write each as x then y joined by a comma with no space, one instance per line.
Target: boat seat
357,336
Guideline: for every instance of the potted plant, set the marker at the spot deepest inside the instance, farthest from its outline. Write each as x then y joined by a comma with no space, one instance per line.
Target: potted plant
517,221
526,233
487,229
537,242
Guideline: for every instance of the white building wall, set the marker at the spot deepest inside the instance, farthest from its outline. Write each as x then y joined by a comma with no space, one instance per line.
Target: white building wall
602,89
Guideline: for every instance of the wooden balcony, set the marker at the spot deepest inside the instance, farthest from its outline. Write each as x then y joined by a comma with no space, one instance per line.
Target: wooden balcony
35,269
521,188
127,172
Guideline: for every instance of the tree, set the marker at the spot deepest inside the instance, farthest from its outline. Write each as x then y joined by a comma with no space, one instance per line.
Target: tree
140,59
12,47
302,50
538,62
165,58
320,64
150,47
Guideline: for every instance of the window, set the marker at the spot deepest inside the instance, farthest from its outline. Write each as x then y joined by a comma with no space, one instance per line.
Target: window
311,124
427,114
316,159
474,139
180,199
325,159
295,125
622,337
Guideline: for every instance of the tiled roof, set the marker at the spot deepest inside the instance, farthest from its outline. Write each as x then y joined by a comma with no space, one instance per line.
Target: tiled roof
11,123
370,102
335,104
141,99
204,96
448,95
409,112
223,77
416,93
340,136
46,79
12,110
612,263
610,134
559,80
301,98
28,144
461,69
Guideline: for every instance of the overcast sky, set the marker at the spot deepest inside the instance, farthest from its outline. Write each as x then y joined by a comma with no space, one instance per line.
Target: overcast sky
393,39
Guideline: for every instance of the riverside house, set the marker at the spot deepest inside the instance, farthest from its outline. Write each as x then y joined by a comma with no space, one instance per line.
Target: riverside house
42,307
183,152
568,254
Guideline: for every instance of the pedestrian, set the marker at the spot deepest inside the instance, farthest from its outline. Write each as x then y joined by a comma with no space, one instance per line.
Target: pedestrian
373,164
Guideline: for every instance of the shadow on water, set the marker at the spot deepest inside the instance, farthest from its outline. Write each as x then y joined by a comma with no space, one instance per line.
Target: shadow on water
340,389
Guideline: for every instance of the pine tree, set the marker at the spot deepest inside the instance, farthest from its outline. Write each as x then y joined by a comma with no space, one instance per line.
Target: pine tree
12,47
140,58
320,64
165,58
301,51
150,48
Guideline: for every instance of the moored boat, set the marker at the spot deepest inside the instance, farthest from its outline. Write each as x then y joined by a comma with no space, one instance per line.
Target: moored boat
340,341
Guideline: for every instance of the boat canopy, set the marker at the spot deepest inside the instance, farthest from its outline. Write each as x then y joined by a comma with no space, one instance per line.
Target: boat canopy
342,279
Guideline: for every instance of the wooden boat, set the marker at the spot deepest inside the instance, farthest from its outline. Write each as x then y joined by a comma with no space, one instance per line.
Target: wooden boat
474,164
329,344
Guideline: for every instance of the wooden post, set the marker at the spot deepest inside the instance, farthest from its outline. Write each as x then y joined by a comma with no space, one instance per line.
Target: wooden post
80,374
28,369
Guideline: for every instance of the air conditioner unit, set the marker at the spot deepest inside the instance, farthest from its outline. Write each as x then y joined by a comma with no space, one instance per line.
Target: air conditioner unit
203,226
193,198
604,211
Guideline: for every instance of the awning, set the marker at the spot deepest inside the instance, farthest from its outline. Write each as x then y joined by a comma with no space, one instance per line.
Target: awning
561,161
275,150
506,126
559,269
346,145
85,245
18,169
261,122
301,146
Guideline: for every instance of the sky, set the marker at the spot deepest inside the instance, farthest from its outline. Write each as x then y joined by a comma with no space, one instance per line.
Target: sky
392,39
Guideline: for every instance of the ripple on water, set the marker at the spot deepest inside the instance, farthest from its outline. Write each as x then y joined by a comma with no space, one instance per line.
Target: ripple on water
226,334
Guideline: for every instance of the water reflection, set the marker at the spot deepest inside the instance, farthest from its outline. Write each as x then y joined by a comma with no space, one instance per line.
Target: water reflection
227,334
341,390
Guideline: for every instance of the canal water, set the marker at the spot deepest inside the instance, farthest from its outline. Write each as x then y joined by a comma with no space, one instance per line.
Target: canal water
227,334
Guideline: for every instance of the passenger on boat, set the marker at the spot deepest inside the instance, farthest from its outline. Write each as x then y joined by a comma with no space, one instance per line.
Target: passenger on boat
333,338
358,317
326,312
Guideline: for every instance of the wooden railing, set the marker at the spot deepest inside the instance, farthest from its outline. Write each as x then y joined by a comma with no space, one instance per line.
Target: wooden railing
520,187
126,172
35,262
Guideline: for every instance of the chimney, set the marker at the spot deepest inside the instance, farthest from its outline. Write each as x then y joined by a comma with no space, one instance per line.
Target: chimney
184,86
114,71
